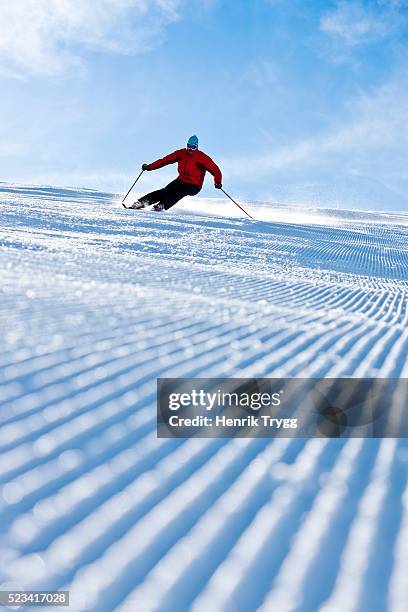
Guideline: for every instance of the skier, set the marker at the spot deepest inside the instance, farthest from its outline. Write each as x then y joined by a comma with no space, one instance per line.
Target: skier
192,166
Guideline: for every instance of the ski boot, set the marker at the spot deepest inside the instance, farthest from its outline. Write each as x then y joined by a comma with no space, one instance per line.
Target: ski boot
158,207
137,205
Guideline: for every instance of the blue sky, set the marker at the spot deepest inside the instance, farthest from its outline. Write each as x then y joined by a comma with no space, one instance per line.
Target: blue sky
298,101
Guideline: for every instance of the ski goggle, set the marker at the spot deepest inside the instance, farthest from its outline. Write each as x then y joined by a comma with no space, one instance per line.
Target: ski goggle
192,146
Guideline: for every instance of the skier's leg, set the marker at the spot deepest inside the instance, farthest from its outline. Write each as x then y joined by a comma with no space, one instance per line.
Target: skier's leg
158,195
178,192
152,197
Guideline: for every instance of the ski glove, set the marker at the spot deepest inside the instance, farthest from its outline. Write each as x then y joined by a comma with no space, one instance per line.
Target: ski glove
218,185
145,166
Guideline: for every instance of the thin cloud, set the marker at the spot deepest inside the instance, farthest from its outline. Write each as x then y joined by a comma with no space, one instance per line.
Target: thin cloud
48,37
355,23
371,136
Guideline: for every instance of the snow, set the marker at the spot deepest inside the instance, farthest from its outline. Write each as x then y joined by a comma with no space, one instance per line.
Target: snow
96,303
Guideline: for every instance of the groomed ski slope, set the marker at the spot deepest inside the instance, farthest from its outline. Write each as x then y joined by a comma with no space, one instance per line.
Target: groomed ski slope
96,303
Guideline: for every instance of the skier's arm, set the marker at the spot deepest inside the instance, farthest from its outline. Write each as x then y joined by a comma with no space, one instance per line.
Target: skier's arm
164,161
212,167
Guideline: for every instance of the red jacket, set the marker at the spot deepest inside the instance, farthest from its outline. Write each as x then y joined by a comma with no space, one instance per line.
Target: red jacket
192,166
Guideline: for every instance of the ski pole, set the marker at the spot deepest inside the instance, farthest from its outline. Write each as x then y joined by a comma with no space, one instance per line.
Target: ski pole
236,203
131,188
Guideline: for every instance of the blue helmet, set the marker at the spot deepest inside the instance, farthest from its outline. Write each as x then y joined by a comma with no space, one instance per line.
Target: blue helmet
192,142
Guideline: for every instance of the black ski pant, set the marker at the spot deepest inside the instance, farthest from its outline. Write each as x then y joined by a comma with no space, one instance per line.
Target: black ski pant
171,194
